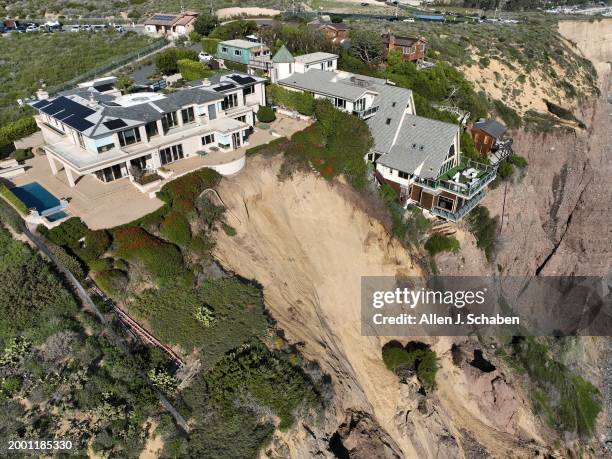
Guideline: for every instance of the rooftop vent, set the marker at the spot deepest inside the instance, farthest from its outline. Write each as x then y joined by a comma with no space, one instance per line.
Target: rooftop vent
206,82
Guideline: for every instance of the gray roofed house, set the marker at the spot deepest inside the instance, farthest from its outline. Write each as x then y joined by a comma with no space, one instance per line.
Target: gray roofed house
324,82
392,102
314,57
491,127
421,147
282,56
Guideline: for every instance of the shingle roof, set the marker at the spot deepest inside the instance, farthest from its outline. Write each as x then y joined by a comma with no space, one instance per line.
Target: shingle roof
283,56
324,82
421,147
392,102
491,127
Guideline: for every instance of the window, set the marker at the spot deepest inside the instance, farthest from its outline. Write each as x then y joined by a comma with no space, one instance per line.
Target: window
104,148
329,64
403,175
237,52
169,120
388,121
242,119
393,104
151,129
340,103
230,101
171,154
224,49
129,137
248,90
208,139
360,105
187,115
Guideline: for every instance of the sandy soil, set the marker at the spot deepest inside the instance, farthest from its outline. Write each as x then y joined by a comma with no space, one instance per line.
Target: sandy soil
154,444
227,13
308,244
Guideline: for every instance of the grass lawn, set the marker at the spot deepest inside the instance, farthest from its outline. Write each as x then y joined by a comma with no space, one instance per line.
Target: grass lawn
55,58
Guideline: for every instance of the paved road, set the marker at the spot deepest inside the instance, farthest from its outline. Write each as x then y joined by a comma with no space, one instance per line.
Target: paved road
89,304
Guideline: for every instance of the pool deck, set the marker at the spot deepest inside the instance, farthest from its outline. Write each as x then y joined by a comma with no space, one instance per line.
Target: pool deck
105,205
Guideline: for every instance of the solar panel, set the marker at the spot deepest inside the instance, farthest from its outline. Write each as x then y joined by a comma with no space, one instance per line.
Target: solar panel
242,80
114,124
79,124
224,87
41,103
104,87
162,17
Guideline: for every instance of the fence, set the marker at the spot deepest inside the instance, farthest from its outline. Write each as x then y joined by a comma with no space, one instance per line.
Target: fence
109,66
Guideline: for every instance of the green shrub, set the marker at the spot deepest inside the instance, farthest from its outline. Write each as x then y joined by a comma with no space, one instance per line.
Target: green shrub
484,229
101,264
505,170
414,356
229,230
166,61
68,233
301,102
112,282
438,243
202,245
265,114
94,245
161,259
69,262
517,161
205,24
510,117
21,155
236,66
192,70
210,45
273,146
17,129
13,200
234,29
175,228
9,216
181,193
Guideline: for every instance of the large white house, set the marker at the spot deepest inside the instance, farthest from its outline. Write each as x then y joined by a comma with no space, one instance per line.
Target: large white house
95,130
419,157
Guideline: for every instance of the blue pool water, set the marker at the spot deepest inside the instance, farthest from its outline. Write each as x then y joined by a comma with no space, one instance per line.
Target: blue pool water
56,216
34,195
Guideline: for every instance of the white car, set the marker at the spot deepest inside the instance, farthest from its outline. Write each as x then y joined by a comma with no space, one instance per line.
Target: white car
119,28
32,28
75,28
408,20
204,56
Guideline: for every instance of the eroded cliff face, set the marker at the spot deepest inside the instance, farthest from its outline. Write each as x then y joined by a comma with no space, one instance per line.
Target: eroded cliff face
308,242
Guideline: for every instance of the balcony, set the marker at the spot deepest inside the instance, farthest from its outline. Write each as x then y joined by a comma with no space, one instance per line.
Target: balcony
366,113
461,212
465,180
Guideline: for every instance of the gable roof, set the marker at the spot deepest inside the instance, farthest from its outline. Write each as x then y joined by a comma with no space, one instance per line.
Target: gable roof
283,56
421,147
401,41
491,127
323,82
331,25
392,102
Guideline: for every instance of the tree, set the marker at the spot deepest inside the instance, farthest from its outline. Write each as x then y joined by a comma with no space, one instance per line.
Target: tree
167,61
368,46
205,24
265,115
124,83
234,29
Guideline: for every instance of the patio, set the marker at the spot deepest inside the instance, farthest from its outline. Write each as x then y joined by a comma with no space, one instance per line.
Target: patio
104,205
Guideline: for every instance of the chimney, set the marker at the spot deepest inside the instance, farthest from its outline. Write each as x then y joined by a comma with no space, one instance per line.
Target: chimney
92,102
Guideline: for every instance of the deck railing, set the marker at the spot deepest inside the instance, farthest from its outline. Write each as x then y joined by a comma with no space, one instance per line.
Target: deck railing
461,212
464,190
366,113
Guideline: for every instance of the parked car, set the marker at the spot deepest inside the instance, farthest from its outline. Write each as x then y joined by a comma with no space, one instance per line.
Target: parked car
86,28
32,28
204,56
98,27
409,20
75,28
119,28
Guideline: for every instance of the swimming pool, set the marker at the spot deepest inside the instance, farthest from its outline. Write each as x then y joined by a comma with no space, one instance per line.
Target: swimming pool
34,195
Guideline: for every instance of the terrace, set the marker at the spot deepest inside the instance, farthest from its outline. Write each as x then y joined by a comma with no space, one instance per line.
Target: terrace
465,180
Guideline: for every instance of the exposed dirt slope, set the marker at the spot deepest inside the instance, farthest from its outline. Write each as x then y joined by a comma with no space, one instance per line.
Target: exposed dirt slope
308,245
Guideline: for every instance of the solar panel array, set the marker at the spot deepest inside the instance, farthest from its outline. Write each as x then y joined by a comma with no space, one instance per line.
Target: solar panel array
242,80
163,17
225,87
68,112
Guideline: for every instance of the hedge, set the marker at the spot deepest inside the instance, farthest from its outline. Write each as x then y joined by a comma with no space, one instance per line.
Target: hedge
17,129
440,243
10,217
14,200
303,103
192,70
237,66
181,193
210,45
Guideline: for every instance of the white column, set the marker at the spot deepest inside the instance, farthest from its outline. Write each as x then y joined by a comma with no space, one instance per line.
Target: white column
69,175
52,164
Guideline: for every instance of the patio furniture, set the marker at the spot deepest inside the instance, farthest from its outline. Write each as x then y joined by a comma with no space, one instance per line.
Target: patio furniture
456,177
